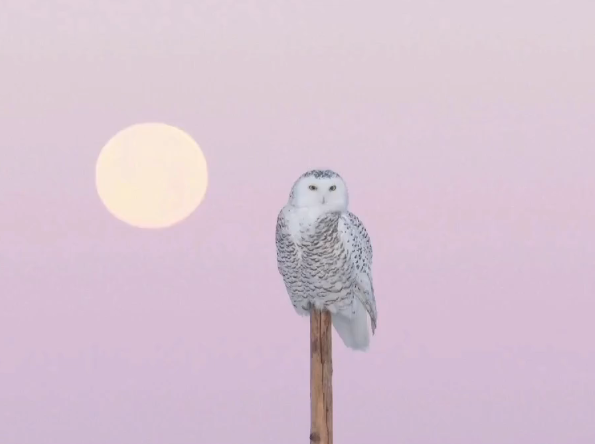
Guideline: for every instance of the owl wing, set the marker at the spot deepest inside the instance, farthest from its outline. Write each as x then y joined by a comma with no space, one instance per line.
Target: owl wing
289,264
359,248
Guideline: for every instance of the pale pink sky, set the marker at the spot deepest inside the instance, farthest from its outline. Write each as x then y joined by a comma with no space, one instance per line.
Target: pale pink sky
465,131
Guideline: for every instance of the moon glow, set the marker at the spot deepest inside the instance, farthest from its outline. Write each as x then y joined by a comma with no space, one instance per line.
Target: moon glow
151,175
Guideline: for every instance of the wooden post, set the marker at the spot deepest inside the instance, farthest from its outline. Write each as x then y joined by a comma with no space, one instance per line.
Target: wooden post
321,378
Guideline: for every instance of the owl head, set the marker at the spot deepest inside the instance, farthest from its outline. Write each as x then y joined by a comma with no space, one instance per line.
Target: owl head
320,188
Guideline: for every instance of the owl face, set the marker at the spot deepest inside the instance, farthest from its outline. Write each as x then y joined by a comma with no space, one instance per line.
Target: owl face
325,189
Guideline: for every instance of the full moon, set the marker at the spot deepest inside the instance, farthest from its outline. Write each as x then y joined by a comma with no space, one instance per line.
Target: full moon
151,175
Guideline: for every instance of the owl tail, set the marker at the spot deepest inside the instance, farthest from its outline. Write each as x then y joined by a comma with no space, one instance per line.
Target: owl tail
354,331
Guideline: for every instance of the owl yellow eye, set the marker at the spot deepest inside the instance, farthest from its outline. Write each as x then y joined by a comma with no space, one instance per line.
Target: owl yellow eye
333,187
313,187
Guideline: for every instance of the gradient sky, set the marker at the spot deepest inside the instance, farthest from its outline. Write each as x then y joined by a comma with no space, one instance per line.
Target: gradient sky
465,132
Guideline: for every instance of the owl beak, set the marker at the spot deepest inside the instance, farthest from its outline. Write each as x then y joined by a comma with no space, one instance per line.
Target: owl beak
323,200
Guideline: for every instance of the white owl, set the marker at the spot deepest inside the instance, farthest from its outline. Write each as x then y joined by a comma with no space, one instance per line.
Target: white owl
325,256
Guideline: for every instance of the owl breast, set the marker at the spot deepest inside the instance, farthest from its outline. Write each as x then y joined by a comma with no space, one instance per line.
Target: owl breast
326,271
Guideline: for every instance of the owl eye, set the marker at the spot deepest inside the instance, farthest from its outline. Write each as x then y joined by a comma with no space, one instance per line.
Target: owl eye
333,187
313,187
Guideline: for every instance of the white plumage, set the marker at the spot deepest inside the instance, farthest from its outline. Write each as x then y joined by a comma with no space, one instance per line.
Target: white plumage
324,255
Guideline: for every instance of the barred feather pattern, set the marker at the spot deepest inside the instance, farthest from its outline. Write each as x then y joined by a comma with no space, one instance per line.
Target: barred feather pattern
327,263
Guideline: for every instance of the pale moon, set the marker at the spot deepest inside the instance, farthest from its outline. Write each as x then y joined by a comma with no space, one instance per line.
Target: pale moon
151,175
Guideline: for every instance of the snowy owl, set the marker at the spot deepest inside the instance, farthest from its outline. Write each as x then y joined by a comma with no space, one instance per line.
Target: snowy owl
324,255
